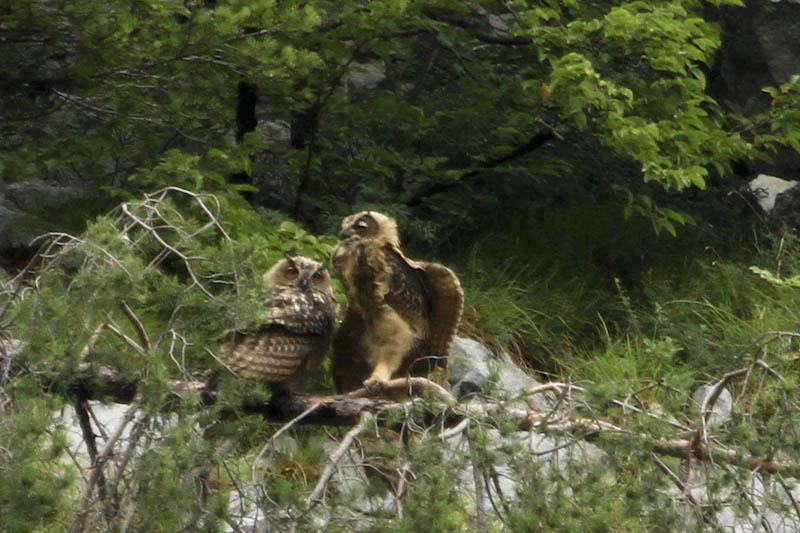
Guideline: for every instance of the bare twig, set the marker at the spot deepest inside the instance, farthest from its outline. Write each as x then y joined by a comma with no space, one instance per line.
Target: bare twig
89,348
55,240
268,445
136,433
137,324
404,473
98,477
316,495
347,409
687,494
458,429
789,495
112,326
716,389
187,260
409,386
566,387
498,490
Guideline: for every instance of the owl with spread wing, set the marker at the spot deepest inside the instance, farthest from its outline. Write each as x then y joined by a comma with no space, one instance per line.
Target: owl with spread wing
402,315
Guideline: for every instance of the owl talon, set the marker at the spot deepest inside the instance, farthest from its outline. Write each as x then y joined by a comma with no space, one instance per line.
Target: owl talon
374,385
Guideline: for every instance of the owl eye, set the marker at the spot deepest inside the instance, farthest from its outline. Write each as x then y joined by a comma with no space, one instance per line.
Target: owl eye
318,275
292,272
361,225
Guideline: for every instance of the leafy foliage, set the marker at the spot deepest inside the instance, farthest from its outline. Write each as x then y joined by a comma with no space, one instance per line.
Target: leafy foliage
32,490
291,102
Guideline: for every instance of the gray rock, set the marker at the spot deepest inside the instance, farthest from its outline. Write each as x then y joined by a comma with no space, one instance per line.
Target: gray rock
468,367
720,409
786,210
34,196
274,130
548,452
243,513
251,511
512,380
108,416
365,75
25,208
350,481
473,368
767,499
10,348
760,48
13,231
767,189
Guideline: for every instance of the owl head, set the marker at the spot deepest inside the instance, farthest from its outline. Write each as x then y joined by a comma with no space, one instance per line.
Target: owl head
299,272
370,226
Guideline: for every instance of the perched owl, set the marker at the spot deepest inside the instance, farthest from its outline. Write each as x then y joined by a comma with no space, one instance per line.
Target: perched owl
401,315
289,345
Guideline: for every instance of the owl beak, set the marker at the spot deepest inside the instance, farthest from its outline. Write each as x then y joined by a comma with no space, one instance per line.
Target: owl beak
345,234
304,283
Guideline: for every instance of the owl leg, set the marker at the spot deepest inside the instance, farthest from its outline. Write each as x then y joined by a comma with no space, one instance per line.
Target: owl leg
388,342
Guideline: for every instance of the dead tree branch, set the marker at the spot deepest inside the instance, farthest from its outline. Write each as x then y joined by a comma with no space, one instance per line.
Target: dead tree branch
330,468
98,461
400,394
98,477
137,324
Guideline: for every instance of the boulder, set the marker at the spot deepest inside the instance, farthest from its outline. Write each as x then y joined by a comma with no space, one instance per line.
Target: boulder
10,348
473,368
720,410
468,367
760,48
26,212
767,189
365,75
787,208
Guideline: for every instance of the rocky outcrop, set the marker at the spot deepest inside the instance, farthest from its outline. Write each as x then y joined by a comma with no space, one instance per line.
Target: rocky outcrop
787,208
767,189
779,199
27,211
760,48
473,369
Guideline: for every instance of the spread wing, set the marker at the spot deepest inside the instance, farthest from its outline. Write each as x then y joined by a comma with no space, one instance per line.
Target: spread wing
447,304
430,290
408,293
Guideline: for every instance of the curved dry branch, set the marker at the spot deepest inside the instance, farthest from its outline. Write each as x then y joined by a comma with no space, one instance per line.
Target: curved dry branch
410,386
187,260
330,468
137,324
99,460
534,143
